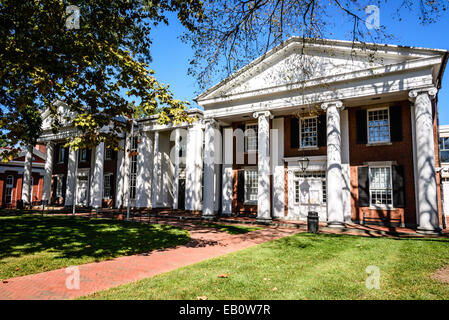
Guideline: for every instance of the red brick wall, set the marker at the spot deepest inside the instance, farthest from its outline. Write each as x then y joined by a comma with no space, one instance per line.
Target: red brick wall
401,152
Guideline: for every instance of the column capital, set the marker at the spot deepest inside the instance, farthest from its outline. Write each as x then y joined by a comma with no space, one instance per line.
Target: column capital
211,121
431,91
265,113
337,104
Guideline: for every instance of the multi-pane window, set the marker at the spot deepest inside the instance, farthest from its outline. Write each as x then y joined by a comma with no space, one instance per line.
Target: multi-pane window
83,155
251,185
251,137
381,192
61,155
319,176
107,186
444,149
108,154
9,187
378,126
308,135
59,183
133,174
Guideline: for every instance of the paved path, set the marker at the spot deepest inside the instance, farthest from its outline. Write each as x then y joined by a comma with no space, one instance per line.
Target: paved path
205,243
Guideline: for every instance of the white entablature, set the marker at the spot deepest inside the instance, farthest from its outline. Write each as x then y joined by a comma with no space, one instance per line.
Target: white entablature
334,70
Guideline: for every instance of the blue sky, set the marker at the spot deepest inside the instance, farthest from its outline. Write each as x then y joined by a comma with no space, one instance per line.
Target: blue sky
171,56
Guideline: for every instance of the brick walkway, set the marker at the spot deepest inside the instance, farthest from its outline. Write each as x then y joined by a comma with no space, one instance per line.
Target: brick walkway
205,243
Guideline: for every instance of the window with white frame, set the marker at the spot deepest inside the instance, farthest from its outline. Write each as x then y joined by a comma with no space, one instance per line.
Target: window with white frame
9,187
300,176
83,155
133,175
380,186
61,154
308,132
251,185
251,133
378,125
444,149
59,183
108,154
107,186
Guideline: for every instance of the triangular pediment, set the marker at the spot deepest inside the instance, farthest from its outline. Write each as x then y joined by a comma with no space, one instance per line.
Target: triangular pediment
64,115
295,63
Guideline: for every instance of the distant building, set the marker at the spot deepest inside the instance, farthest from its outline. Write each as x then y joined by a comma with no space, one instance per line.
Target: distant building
11,178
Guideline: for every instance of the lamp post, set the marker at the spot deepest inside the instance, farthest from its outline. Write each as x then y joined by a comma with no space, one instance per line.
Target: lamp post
303,163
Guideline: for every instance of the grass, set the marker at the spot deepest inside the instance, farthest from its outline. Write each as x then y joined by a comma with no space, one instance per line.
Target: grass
231,229
305,266
33,243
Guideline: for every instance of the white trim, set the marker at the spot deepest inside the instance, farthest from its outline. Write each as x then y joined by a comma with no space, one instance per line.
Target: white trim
251,124
245,199
382,206
367,127
301,119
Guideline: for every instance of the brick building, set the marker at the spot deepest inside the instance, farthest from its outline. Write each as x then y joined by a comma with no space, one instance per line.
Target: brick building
11,177
326,128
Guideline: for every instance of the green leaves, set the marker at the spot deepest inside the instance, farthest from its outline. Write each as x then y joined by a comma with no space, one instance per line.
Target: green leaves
96,69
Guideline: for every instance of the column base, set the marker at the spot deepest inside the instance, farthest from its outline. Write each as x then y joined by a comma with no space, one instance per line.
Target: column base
426,231
336,225
209,217
263,220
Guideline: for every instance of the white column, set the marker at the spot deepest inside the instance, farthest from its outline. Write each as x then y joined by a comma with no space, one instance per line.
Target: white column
71,179
194,167
144,171
48,173
263,158
97,185
120,174
26,182
156,170
345,165
425,153
211,135
334,183
277,167
175,159
228,138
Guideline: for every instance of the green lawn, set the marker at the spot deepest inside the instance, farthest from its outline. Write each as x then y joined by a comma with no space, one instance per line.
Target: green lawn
231,229
33,243
305,266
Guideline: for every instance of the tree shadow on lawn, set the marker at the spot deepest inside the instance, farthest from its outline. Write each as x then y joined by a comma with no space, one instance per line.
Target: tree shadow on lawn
75,237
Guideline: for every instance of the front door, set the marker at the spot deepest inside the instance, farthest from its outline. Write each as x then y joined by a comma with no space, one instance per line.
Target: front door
82,189
310,193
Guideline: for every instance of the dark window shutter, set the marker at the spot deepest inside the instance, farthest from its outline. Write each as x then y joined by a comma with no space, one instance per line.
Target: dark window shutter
66,155
396,123
322,131
294,133
362,134
55,181
363,186
240,186
398,186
